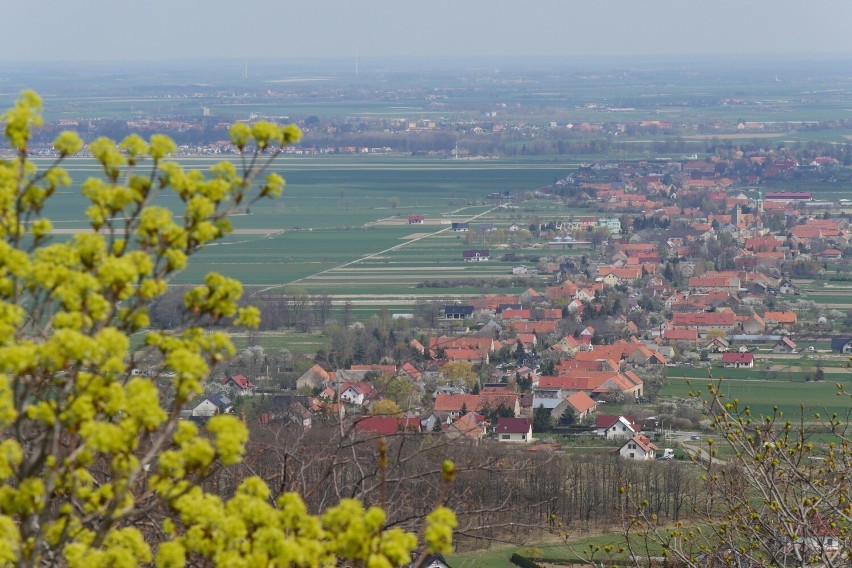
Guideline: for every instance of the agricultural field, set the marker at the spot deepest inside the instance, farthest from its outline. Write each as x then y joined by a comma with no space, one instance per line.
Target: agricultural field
762,396
828,293
341,227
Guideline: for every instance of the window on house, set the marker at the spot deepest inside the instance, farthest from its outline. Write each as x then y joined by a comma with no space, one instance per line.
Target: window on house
632,455
506,436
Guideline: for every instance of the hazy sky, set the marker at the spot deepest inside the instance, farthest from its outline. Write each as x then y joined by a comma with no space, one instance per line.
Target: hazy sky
118,30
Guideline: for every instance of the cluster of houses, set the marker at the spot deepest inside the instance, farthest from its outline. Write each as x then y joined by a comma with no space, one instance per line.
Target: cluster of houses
597,349
455,414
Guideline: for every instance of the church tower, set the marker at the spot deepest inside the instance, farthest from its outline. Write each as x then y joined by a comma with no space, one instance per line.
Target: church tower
736,217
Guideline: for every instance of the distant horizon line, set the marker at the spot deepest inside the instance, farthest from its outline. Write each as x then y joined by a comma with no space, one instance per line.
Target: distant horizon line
457,59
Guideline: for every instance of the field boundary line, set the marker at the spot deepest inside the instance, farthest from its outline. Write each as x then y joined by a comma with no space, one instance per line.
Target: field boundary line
373,255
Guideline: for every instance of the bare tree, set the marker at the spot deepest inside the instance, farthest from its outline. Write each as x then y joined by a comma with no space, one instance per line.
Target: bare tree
779,497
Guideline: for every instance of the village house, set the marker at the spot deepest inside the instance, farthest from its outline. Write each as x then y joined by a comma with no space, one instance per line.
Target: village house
456,404
717,345
358,393
314,378
458,312
738,360
476,255
470,427
387,425
551,399
597,383
213,405
638,448
705,322
841,345
785,345
514,430
238,385
684,337
581,404
782,319
610,426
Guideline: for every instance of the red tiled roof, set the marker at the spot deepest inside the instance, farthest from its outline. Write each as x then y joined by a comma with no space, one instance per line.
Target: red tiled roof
704,319
743,358
780,317
681,334
581,402
606,420
474,402
513,425
241,381
644,443
384,425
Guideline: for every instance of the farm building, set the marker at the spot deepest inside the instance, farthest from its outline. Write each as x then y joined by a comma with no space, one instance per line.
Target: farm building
460,227
415,219
788,196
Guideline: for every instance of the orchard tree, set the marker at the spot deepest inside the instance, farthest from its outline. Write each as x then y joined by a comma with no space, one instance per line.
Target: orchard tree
96,468
385,407
458,373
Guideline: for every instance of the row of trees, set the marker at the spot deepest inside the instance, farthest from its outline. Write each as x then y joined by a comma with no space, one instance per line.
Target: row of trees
500,491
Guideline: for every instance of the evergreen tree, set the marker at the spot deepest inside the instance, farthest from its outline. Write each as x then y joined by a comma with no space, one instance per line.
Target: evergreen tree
542,420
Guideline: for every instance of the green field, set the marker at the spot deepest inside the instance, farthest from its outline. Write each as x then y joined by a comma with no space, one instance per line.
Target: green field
341,226
791,398
325,192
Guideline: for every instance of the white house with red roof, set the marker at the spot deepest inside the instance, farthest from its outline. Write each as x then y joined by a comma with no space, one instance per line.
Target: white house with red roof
239,385
357,393
737,360
514,430
638,448
830,254
610,426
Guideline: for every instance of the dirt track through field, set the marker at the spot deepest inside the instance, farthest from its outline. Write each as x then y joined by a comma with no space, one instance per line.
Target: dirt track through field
375,254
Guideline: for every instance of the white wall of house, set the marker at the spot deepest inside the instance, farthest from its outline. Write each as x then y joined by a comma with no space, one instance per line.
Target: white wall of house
632,451
618,430
352,396
205,408
514,437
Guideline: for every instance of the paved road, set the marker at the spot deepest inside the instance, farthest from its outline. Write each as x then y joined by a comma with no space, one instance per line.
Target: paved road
696,448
